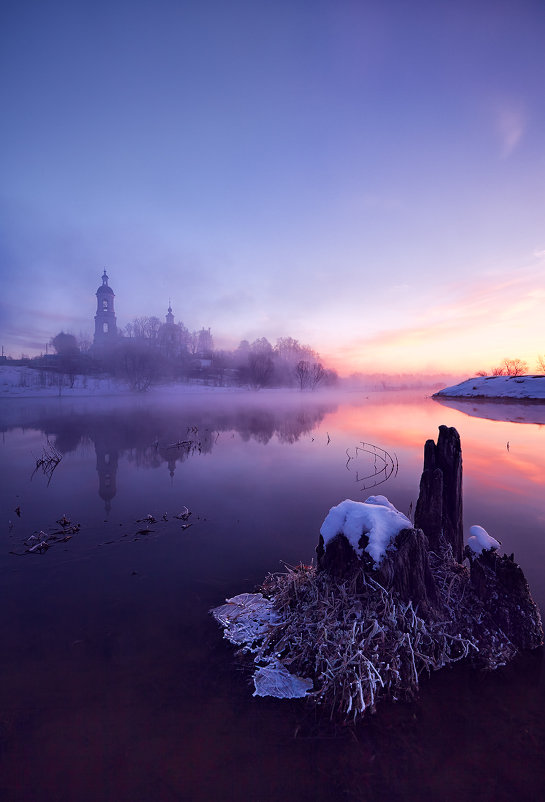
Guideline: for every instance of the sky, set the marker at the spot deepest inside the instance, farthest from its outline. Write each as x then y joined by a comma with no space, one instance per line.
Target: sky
367,177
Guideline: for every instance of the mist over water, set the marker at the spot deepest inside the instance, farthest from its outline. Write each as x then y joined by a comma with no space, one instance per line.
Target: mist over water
115,678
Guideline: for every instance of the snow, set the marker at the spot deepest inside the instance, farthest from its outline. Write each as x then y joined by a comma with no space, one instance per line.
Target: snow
479,540
519,387
22,382
376,517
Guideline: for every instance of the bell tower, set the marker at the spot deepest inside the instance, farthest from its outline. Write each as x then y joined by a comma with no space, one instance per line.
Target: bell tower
105,321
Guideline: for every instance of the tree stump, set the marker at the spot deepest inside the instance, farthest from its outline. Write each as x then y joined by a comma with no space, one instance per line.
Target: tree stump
439,510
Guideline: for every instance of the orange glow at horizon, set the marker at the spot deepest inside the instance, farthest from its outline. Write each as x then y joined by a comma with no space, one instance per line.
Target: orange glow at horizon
482,325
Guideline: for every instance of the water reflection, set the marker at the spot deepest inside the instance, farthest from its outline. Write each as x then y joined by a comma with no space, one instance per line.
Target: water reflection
151,437
498,410
122,625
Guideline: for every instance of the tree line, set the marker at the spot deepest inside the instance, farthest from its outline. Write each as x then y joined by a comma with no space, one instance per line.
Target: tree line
150,352
514,367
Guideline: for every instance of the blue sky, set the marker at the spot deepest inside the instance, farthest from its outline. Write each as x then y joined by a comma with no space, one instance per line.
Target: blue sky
368,177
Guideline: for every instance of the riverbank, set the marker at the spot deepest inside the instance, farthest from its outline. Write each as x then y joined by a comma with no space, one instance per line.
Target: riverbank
524,388
24,382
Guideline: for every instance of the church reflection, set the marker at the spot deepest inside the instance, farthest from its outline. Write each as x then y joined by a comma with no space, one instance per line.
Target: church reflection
107,461
154,437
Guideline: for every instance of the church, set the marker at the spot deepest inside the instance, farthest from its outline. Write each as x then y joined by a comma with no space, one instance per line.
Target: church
105,320
171,338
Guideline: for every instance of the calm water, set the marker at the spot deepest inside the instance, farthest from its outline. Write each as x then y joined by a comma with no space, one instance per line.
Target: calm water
116,683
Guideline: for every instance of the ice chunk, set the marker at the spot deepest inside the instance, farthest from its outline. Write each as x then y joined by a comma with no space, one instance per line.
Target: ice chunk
275,680
245,617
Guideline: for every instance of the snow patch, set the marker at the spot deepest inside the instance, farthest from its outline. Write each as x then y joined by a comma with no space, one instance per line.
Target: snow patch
376,517
523,387
479,540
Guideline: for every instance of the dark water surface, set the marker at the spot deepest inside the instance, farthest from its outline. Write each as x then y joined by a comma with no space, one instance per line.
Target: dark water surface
115,681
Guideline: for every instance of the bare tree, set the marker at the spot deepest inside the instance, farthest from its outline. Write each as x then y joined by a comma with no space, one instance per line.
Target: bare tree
317,374
302,372
515,367
309,374
541,364
260,363
138,364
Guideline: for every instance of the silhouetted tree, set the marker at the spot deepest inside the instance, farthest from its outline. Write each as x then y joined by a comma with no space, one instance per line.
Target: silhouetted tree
65,344
260,363
138,363
302,372
68,353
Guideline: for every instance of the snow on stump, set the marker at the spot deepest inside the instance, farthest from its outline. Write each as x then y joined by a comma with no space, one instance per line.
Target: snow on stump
374,537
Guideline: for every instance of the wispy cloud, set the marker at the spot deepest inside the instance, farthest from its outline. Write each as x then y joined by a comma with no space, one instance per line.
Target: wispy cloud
511,124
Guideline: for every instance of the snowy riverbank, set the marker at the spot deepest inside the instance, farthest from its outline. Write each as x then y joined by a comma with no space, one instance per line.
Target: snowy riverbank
524,388
22,382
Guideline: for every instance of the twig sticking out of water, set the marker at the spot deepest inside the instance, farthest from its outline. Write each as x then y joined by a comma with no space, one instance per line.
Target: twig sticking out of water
51,456
385,465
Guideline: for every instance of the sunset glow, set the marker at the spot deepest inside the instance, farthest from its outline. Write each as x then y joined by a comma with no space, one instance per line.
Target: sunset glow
367,178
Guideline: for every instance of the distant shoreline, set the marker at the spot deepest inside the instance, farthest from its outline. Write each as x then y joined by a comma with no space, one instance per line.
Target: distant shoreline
498,388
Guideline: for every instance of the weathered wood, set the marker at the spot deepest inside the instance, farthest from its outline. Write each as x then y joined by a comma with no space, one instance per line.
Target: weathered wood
404,569
407,572
500,584
439,510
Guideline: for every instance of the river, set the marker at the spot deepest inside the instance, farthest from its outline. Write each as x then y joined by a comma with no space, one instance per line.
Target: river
115,681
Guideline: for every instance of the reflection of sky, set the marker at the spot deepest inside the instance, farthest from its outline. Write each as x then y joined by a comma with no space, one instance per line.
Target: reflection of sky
264,498
364,177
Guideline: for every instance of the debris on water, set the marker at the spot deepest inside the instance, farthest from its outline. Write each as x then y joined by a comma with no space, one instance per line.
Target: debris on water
149,519
186,526
49,460
18,511
43,540
39,547
183,516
